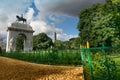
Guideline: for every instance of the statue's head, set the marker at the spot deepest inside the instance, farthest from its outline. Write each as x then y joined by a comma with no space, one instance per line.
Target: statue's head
17,16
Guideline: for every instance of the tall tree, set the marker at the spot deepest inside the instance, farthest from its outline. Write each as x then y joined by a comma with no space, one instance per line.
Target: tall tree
59,44
98,23
41,41
75,43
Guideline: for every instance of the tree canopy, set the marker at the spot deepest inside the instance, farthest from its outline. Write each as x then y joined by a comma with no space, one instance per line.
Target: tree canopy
41,41
100,23
73,43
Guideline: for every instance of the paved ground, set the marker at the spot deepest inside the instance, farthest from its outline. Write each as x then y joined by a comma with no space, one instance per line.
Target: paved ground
11,69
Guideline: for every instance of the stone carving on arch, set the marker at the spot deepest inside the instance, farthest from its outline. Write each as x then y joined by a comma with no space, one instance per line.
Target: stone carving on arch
14,30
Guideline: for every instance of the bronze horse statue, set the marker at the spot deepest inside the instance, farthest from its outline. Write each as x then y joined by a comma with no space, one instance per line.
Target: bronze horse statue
21,18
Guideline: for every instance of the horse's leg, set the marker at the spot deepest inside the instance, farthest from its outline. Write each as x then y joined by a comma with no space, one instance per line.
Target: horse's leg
25,20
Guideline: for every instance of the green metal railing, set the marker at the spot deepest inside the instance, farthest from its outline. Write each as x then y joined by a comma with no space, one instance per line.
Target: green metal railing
101,63
49,56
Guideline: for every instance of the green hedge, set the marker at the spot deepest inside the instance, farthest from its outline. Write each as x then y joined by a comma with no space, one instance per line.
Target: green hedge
50,56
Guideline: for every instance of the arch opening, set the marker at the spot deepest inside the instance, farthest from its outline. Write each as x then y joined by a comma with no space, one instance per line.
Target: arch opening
20,42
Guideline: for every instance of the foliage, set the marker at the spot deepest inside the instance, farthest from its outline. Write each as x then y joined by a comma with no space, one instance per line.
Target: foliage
116,1
100,22
58,44
41,41
20,42
73,43
104,63
67,44
103,67
49,56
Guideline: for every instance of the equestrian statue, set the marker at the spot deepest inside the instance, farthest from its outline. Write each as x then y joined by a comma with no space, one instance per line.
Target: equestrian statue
21,18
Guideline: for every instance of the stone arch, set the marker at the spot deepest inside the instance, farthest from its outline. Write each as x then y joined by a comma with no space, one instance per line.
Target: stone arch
23,35
19,29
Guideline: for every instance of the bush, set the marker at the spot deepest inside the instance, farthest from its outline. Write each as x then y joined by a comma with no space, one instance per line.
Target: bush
103,68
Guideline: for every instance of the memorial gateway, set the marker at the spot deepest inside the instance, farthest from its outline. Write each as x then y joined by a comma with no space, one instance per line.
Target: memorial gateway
16,29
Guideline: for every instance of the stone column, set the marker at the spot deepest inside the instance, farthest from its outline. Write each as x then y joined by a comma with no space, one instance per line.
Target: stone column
11,41
28,44
8,42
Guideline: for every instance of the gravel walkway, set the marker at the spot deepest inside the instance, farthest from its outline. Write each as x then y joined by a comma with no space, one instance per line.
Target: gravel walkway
11,69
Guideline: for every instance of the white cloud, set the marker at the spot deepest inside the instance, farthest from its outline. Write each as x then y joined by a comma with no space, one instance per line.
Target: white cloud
14,6
41,26
5,21
29,15
55,18
9,10
64,37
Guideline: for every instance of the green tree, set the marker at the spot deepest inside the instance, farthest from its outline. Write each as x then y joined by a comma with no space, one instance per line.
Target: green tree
67,44
20,42
41,41
58,44
100,22
75,42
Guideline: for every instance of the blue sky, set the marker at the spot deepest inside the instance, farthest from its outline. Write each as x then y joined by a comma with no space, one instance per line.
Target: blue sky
69,25
47,16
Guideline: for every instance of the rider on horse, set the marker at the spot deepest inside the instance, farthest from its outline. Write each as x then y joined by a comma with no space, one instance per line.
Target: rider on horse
21,18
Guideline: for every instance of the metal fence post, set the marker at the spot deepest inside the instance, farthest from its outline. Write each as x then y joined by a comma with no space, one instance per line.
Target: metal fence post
82,58
90,64
106,62
89,60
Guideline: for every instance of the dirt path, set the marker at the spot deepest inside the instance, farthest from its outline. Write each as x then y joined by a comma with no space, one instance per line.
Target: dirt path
11,69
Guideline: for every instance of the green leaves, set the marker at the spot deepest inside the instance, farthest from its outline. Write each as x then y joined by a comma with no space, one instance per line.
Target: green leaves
20,42
99,22
41,41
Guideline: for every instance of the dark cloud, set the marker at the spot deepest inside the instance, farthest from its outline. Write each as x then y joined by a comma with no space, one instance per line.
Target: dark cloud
72,7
